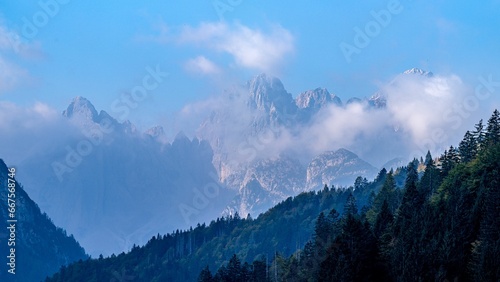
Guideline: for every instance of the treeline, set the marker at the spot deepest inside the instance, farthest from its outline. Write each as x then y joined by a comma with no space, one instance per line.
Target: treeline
443,226
181,255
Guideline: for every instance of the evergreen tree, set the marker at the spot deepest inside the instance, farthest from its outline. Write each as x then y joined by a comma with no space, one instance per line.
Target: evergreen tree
387,194
454,155
467,147
322,233
333,218
382,230
430,180
383,221
322,229
479,135
259,273
486,250
381,175
234,271
360,183
205,275
350,207
404,254
493,129
428,158
351,256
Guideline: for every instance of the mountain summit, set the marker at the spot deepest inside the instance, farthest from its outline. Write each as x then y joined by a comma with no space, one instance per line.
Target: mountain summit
419,72
81,107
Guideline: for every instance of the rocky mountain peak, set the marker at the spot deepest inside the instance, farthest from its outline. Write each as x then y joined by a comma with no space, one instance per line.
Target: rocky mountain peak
418,72
316,98
267,90
82,108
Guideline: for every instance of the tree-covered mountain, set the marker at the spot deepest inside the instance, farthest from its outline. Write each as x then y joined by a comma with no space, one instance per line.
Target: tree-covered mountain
40,248
181,255
433,220
443,226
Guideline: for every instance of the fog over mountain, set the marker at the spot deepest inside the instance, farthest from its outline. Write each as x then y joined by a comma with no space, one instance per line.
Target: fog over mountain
261,119
113,185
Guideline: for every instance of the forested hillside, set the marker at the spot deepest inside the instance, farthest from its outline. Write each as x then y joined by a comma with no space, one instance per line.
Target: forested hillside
442,224
446,226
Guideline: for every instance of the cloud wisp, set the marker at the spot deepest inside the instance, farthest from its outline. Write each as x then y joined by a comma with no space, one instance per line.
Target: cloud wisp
202,65
250,48
13,49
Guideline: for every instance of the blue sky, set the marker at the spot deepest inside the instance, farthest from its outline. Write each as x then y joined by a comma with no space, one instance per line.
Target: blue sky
101,49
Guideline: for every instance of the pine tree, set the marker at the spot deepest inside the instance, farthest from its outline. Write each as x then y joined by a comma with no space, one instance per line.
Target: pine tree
404,254
360,183
333,218
479,135
493,129
467,147
430,180
351,256
205,275
234,271
322,233
350,207
486,252
383,221
381,175
409,204
386,194
453,155
259,271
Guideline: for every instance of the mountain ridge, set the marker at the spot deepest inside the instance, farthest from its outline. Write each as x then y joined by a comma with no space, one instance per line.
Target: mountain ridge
40,247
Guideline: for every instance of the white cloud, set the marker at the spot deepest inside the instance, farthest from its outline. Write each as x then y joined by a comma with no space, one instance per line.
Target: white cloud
13,117
10,74
12,47
31,130
250,48
418,103
416,110
205,32
202,65
414,120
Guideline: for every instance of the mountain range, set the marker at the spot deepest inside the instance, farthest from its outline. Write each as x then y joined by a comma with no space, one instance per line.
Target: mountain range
111,185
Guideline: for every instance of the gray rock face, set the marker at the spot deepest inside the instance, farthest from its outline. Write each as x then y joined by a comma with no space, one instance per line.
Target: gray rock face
240,140
312,101
338,168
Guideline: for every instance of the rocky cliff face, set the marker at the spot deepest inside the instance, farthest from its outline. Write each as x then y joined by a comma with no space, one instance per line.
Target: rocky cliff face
243,135
339,167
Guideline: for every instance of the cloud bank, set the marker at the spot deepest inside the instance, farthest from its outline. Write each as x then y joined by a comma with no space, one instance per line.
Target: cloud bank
28,132
416,119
